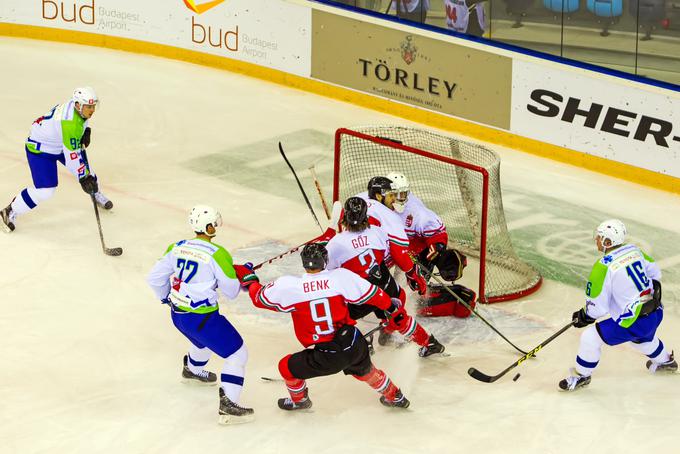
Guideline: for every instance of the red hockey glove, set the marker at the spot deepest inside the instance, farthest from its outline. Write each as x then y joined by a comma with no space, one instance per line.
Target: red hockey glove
433,251
396,314
416,281
245,274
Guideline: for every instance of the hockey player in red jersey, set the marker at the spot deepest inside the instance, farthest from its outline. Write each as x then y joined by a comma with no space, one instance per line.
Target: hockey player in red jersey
428,241
362,248
318,303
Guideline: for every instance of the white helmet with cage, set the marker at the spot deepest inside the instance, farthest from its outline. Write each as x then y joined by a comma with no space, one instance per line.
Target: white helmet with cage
612,230
401,188
202,216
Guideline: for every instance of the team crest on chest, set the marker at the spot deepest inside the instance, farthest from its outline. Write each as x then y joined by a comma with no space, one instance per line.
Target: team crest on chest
409,220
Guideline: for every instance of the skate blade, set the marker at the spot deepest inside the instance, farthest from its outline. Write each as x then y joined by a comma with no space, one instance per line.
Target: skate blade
192,382
5,227
230,420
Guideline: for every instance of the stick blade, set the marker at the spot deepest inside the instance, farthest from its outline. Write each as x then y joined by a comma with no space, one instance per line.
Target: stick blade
481,376
113,252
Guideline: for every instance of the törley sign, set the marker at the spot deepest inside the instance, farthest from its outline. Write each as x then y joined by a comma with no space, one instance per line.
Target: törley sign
413,69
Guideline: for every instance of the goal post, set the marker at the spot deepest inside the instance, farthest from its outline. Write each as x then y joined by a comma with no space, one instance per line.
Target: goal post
460,181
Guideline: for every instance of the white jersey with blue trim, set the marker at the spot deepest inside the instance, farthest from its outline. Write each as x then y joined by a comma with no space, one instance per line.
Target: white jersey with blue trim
190,273
619,283
57,131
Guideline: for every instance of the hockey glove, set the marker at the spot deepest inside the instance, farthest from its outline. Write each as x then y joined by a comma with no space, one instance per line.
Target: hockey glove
89,184
416,281
85,140
580,319
433,251
396,313
245,274
167,301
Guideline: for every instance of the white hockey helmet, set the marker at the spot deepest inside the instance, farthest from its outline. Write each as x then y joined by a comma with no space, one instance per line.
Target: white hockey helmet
402,188
85,96
612,230
201,216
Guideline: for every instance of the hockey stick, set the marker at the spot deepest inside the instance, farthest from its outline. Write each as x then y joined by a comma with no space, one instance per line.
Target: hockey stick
280,256
467,306
113,252
368,334
320,192
304,194
477,375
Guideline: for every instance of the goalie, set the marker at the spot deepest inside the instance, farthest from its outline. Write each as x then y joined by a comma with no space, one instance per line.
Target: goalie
428,241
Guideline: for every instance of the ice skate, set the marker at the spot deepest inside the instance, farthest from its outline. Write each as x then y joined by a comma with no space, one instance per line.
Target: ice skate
433,347
669,366
288,404
385,338
231,413
7,216
574,381
202,378
103,201
400,401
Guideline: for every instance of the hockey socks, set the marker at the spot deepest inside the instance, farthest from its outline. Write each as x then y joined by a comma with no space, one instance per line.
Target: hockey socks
410,328
29,198
378,380
197,359
297,389
233,371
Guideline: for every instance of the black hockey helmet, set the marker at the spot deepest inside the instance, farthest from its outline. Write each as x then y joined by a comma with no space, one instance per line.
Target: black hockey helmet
314,256
379,185
355,211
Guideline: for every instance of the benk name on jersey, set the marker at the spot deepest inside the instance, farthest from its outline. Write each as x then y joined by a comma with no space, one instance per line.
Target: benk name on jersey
315,286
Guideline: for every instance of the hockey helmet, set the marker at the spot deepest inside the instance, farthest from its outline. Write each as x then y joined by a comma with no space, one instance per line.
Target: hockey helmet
355,211
379,185
201,216
612,230
314,256
85,96
401,187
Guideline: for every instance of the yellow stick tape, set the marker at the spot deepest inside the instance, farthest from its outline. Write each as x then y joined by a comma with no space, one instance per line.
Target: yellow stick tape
437,120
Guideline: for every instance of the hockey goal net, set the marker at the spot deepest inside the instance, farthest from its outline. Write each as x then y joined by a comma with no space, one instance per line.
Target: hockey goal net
460,181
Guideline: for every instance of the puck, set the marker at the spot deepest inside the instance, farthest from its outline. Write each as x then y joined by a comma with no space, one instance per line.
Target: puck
515,377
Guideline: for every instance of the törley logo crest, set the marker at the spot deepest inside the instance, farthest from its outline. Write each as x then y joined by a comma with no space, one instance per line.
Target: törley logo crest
408,50
201,7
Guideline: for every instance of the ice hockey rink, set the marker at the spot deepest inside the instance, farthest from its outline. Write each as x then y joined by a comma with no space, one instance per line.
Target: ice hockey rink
91,362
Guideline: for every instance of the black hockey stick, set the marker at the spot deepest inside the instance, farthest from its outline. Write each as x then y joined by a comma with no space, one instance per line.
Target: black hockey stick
467,306
481,376
368,334
113,252
304,194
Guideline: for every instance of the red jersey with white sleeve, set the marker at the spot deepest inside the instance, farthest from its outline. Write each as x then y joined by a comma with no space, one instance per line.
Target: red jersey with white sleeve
318,302
422,225
383,217
358,251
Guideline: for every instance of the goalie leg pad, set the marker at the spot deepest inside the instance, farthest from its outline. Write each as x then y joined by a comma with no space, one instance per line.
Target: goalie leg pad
440,303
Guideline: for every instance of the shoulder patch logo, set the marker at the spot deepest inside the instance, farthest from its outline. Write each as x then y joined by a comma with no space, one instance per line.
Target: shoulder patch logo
607,259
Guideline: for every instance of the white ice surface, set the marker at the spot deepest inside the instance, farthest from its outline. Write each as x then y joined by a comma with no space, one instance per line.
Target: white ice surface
90,362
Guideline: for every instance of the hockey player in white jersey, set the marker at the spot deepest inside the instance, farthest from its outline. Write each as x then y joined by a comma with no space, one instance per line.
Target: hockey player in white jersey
187,278
362,248
428,241
625,286
57,136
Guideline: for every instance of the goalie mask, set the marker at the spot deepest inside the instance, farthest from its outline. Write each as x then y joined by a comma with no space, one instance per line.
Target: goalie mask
314,256
401,187
379,185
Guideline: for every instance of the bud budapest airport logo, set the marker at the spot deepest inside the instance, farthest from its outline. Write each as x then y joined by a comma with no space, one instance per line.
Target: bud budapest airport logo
209,35
202,7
